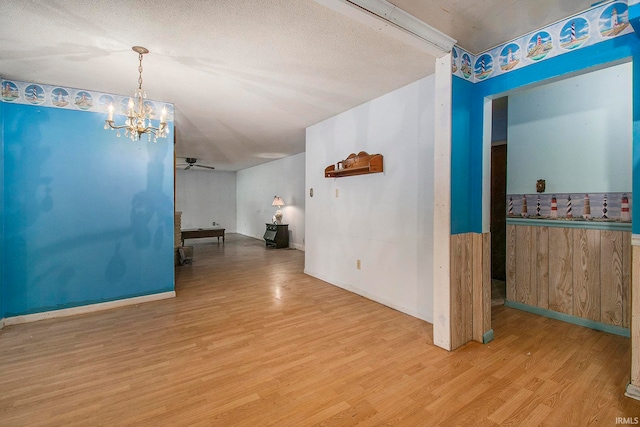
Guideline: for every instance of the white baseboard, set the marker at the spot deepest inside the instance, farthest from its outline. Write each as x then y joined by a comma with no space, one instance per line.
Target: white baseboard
372,297
635,240
297,246
632,391
1,323
250,235
91,308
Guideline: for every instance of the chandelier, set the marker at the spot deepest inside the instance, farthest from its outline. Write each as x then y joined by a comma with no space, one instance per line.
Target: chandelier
138,113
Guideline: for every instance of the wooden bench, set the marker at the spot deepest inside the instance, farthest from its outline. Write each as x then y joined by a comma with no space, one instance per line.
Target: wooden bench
197,233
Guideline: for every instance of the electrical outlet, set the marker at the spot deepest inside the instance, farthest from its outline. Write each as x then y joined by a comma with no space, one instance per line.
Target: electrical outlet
337,192
358,264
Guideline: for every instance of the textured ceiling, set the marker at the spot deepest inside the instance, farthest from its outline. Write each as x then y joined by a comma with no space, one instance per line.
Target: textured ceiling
246,76
479,25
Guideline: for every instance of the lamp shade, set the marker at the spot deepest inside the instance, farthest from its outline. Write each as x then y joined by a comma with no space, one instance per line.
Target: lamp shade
277,201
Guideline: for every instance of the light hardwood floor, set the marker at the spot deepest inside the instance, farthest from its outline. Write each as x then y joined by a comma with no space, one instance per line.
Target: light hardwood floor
252,341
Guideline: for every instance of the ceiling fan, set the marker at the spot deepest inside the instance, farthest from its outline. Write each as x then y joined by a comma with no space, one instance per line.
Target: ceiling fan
191,162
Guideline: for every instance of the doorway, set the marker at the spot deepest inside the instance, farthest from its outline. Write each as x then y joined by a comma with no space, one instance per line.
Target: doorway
583,155
498,222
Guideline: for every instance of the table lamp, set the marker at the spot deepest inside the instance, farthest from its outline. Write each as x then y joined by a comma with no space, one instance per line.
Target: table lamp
277,201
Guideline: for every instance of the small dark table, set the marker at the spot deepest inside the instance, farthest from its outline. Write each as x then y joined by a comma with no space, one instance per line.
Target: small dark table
276,235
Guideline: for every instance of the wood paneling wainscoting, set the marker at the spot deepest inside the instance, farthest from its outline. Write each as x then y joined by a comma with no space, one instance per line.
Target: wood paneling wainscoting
579,272
470,288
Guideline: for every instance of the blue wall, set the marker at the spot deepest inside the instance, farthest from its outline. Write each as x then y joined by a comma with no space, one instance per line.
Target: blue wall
617,50
88,217
461,176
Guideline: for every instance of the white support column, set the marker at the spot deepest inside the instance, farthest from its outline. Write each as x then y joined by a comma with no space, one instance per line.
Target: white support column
442,206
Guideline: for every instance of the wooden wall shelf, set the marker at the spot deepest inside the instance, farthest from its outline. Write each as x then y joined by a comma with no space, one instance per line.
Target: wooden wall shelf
356,164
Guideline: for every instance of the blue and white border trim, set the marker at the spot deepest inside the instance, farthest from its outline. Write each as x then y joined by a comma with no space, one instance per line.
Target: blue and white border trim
602,22
17,92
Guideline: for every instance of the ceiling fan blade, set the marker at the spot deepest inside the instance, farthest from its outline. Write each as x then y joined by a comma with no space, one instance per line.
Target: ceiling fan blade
207,167
188,167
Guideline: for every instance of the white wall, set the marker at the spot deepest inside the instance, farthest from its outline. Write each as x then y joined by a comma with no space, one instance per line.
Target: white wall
385,219
574,133
256,188
205,196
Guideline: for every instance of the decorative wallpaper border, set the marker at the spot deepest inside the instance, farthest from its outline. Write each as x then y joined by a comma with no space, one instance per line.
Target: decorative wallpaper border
599,207
597,24
17,92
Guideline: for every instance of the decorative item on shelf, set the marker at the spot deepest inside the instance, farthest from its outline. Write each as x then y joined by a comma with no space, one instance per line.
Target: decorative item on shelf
277,201
356,164
138,119
541,185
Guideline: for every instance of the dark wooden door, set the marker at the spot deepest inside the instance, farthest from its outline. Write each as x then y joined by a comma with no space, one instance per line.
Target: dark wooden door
498,211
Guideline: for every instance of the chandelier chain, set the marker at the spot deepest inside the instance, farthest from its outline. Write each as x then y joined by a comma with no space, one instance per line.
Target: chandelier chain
140,71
